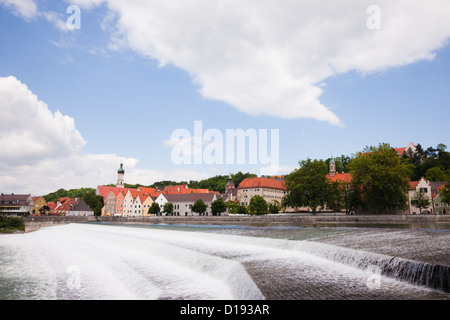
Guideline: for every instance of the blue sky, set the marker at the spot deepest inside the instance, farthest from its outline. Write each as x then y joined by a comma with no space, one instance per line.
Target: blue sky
127,91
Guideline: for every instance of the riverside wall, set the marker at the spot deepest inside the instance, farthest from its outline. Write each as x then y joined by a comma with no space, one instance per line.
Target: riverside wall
337,220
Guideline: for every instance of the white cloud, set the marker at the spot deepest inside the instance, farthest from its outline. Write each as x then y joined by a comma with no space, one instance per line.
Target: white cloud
41,151
29,131
271,57
23,8
57,19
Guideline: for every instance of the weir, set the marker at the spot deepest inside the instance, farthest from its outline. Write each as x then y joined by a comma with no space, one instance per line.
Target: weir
219,255
416,272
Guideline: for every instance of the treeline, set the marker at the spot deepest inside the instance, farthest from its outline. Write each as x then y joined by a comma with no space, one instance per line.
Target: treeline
431,163
72,193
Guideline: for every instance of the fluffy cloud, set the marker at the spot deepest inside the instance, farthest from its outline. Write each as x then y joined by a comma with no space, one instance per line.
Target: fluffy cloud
270,57
24,8
41,151
29,131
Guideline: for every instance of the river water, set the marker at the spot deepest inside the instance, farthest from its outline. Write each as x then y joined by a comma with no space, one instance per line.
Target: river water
128,262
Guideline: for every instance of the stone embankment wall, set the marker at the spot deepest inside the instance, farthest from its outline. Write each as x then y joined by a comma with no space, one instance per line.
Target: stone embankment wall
294,220
38,222
427,221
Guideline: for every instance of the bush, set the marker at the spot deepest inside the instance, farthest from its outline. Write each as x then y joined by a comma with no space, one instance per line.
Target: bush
11,224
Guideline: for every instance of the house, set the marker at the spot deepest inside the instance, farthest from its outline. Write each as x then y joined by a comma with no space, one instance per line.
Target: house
439,206
16,205
147,202
70,207
119,203
109,207
272,190
79,208
410,146
127,204
416,186
60,207
39,205
182,203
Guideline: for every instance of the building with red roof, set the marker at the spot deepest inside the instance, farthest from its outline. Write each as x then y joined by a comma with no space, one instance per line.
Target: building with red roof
272,190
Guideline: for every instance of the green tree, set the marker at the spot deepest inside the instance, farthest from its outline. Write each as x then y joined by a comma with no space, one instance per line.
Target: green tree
154,209
94,201
445,193
420,200
273,208
232,207
218,206
238,177
258,206
199,207
382,177
168,208
435,174
242,210
307,186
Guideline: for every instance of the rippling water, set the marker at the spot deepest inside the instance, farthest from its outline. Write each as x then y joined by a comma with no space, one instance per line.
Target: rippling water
101,261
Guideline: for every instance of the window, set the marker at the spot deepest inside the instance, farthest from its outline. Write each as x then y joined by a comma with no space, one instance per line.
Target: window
424,190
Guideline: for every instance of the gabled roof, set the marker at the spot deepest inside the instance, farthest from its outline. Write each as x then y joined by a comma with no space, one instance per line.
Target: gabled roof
80,205
436,188
62,206
104,191
262,183
17,199
413,185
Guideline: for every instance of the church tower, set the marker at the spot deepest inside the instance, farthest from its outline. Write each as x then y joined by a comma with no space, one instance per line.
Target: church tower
332,168
120,177
230,185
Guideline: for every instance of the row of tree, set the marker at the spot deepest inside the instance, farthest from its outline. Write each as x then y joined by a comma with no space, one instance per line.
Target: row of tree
379,179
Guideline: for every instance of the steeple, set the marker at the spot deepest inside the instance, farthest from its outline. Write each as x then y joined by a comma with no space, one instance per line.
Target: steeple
230,184
120,177
332,168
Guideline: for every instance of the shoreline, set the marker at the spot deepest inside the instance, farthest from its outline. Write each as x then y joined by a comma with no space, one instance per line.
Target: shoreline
296,220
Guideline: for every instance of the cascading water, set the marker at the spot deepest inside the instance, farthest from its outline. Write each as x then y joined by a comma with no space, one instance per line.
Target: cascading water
90,261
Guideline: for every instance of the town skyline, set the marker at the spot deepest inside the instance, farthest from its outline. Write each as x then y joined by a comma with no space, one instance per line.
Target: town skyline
87,85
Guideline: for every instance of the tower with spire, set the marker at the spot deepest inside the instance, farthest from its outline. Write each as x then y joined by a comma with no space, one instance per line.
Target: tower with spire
332,168
120,177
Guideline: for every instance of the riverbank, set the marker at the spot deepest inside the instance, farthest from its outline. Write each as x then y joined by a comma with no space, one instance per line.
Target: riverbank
329,219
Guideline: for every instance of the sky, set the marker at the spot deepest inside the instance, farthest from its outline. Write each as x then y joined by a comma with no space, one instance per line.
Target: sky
162,86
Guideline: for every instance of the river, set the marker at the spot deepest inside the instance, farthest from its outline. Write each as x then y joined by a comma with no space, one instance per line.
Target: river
101,261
